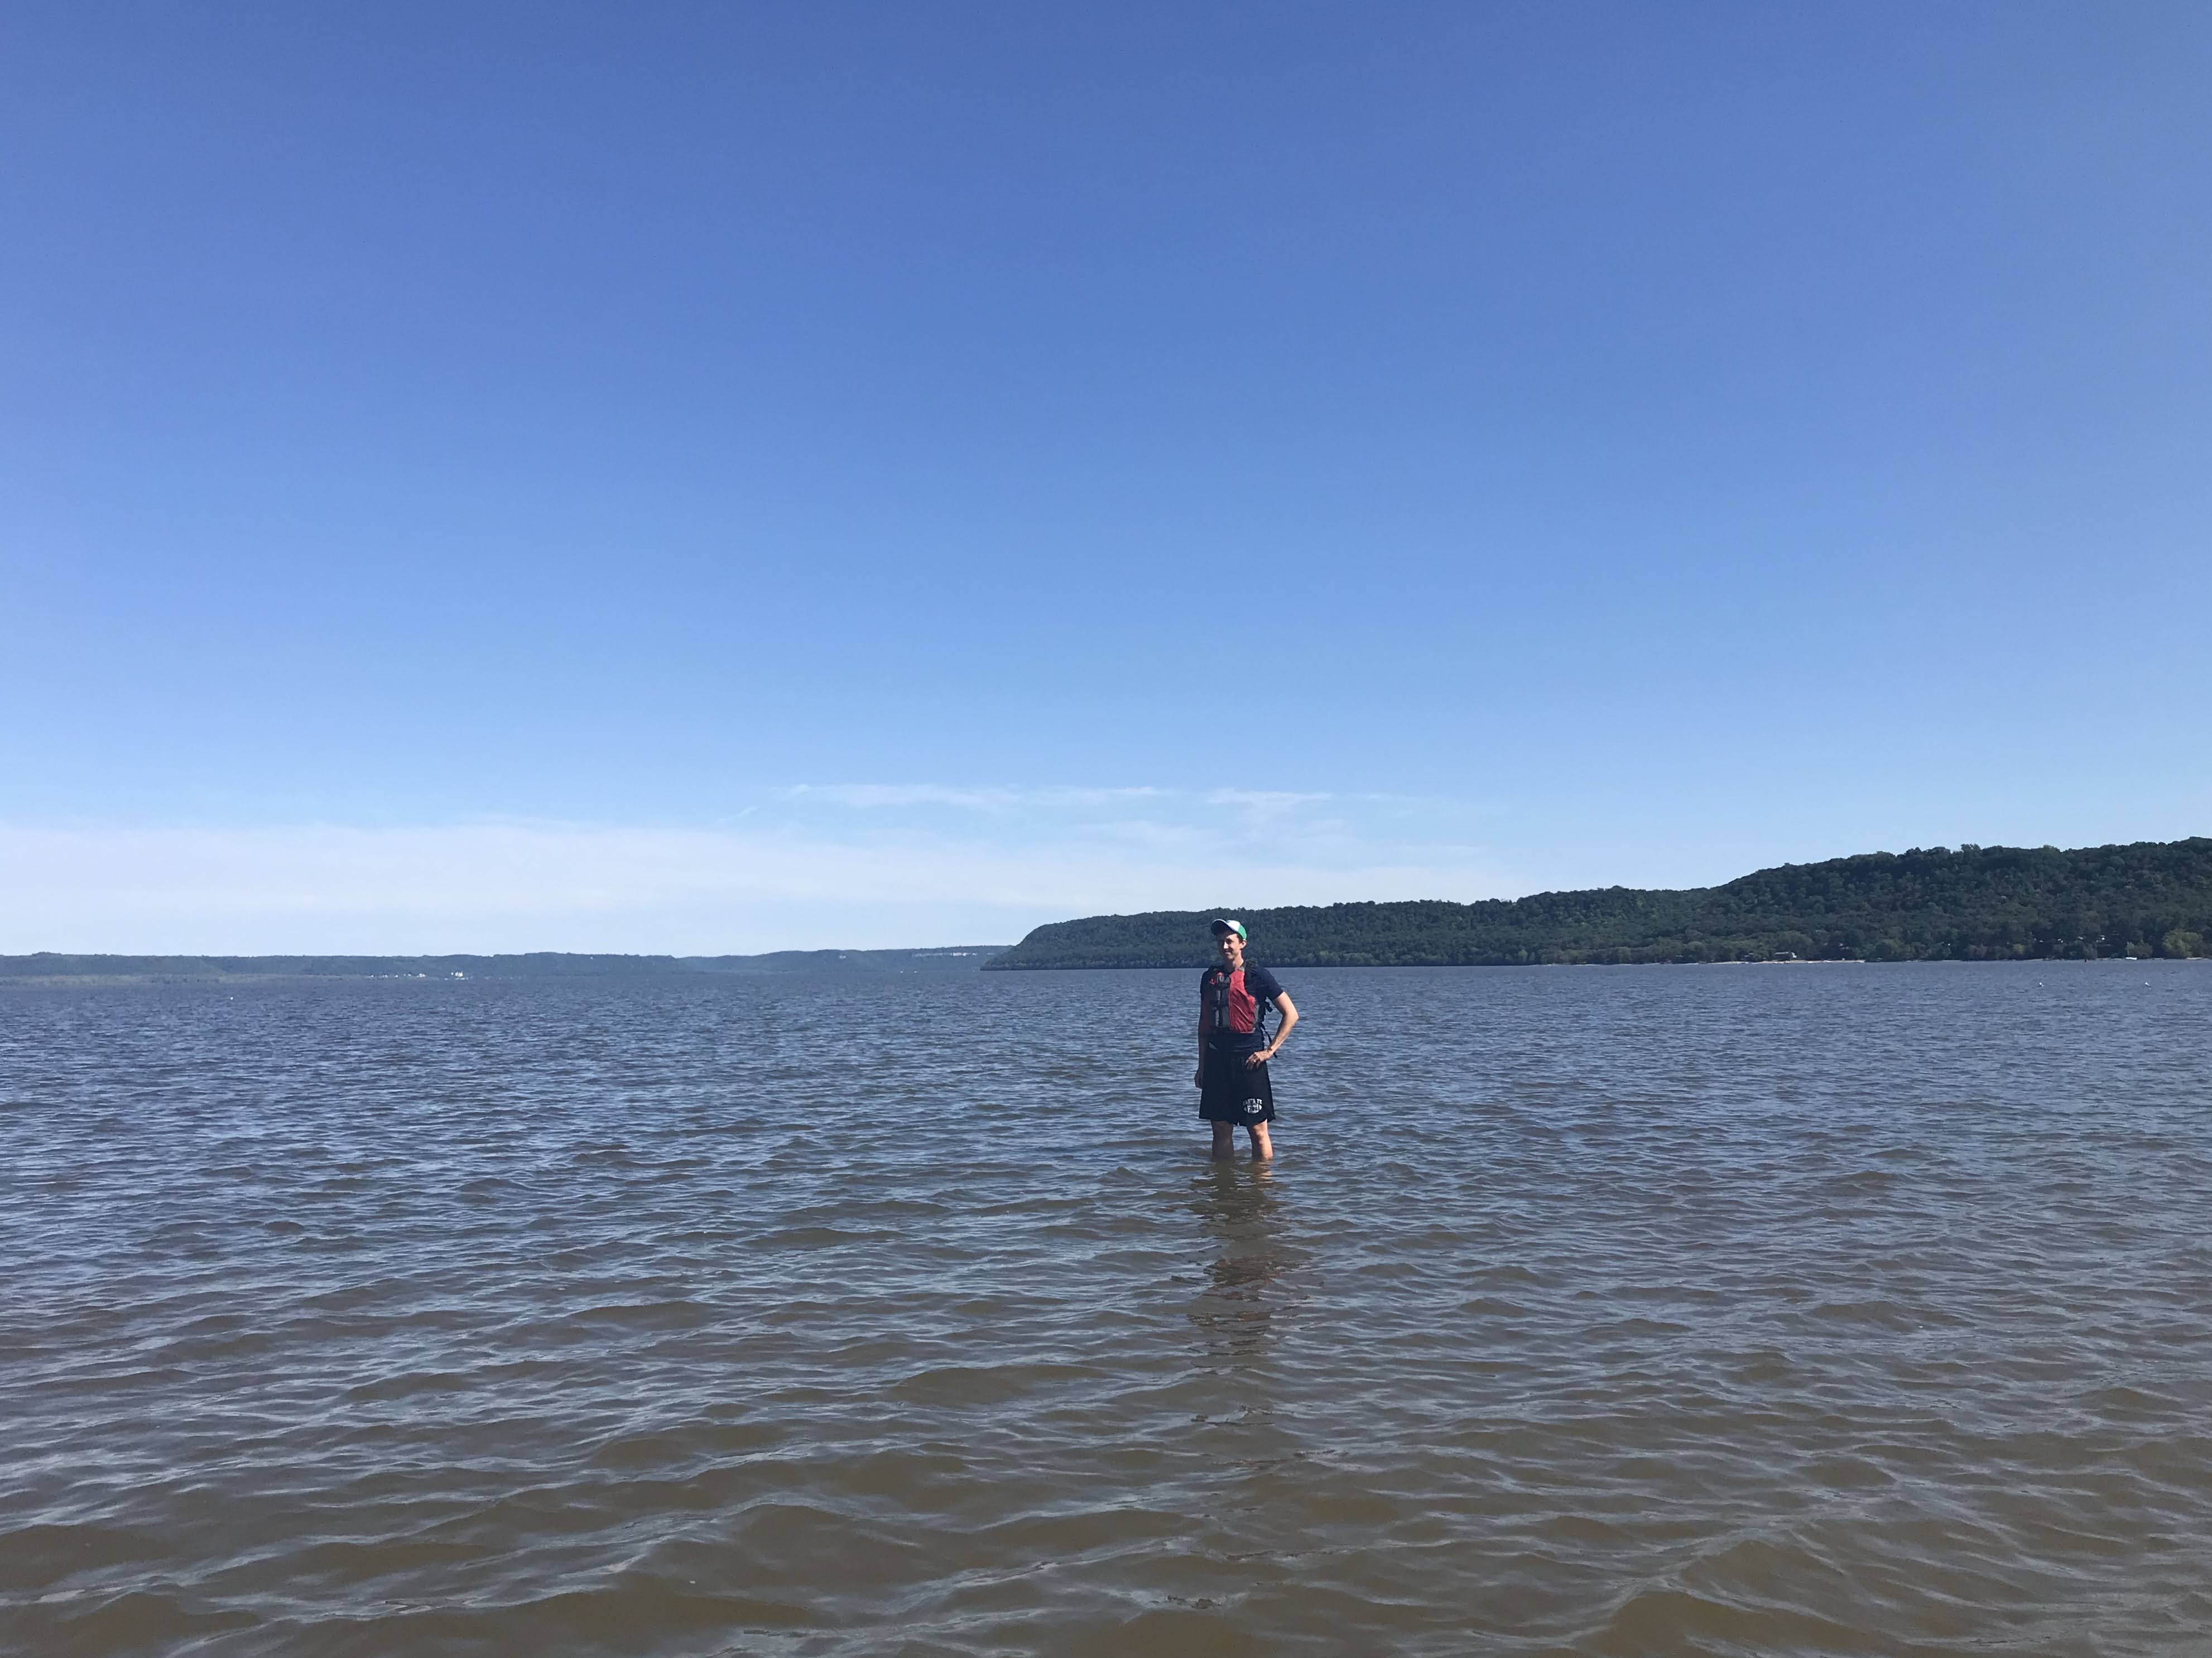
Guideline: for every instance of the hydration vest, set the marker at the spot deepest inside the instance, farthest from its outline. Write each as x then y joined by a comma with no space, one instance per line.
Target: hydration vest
1228,1008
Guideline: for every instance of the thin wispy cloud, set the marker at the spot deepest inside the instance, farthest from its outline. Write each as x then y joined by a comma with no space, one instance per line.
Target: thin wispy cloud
1269,802
1216,811
883,796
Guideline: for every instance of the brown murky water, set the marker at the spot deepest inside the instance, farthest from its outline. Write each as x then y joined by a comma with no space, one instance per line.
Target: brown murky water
1610,1311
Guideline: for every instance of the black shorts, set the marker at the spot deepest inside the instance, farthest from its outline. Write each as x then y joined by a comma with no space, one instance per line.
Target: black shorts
1234,1092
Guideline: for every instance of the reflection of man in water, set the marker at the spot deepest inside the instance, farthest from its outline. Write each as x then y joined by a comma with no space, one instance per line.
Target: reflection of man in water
1233,1050
1235,1314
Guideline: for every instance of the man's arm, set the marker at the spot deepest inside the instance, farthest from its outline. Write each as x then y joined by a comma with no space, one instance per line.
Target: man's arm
1198,1081
1289,1009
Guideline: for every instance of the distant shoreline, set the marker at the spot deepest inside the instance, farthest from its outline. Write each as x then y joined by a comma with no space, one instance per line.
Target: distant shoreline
52,967
115,980
2149,900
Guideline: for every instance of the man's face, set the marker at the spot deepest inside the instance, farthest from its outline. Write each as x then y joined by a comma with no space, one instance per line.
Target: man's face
1232,950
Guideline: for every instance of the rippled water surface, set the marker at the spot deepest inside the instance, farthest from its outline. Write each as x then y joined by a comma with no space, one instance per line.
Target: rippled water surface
1777,1310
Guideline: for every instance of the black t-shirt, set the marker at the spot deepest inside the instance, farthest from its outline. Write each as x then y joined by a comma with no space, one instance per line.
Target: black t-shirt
1234,1007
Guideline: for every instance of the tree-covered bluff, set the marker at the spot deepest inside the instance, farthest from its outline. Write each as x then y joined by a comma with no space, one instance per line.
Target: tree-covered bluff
1974,904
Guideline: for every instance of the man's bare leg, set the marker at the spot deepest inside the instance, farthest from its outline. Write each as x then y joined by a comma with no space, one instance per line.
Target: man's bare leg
1263,1144
1225,1139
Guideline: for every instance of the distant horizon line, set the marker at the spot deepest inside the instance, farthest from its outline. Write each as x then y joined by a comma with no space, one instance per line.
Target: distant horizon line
15,959
487,954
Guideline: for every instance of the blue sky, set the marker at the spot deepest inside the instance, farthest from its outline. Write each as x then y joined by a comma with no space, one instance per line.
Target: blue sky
729,477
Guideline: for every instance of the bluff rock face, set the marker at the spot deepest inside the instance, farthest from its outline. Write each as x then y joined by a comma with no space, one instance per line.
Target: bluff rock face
1976,903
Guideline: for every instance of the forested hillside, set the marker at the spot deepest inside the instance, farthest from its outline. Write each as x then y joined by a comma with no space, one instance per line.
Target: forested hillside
1976,903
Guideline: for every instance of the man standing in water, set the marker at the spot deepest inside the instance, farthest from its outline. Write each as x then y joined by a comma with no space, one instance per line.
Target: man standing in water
1233,1050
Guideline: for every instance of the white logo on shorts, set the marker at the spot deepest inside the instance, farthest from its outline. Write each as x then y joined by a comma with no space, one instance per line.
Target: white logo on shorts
1254,1107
